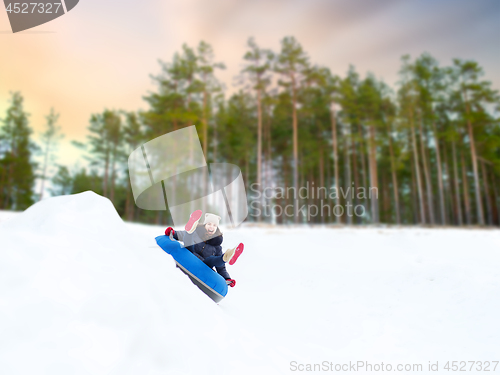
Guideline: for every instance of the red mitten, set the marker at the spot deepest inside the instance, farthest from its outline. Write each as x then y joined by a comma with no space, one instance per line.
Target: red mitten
231,282
169,230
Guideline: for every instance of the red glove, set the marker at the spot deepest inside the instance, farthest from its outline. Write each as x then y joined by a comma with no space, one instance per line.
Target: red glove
169,230
231,282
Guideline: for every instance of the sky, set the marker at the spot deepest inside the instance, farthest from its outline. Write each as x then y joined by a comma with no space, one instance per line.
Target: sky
102,53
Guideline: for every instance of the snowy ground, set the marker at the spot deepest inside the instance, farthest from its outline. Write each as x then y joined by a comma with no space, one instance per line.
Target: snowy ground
81,292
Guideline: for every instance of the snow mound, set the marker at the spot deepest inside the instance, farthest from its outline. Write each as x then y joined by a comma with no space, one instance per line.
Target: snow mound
82,294
81,214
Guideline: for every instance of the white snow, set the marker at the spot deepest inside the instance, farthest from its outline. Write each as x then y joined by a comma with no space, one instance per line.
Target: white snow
82,292
5,215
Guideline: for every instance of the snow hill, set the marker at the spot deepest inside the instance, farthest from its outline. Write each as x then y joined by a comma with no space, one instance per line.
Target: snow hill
82,292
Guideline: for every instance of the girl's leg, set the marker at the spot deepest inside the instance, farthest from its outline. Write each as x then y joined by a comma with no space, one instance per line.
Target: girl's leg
214,261
193,221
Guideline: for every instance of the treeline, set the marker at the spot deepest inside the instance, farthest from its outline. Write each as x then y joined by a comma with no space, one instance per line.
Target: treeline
430,147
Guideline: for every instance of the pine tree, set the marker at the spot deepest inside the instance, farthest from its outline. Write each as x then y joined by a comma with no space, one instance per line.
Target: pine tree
370,98
471,97
133,138
260,61
332,86
50,137
407,97
62,182
291,64
208,86
105,140
16,148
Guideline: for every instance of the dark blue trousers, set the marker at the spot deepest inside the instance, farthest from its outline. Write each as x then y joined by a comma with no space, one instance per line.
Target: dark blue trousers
214,261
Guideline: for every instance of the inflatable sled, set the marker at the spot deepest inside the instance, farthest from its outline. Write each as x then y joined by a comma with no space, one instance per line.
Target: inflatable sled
205,278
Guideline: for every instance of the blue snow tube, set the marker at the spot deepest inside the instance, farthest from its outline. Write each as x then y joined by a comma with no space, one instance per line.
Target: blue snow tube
209,281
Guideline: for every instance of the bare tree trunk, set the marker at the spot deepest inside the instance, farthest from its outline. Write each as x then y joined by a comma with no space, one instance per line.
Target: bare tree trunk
2,185
269,151
335,157
204,119
373,174
440,176
354,171
466,191
362,155
347,170
414,190
417,171
112,190
191,151
174,185
386,197
8,196
394,179
487,194
106,177
215,141
428,182
328,184
113,176
44,173
363,161
309,195
191,155
450,208
269,162
129,204
247,170
321,180
259,143
457,186
286,197
496,205
205,141
295,143
477,190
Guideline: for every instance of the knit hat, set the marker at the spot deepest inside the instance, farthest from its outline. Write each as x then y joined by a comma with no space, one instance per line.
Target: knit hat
211,218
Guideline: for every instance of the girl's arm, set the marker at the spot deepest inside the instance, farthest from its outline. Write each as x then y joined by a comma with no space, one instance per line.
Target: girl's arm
179,235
